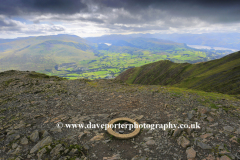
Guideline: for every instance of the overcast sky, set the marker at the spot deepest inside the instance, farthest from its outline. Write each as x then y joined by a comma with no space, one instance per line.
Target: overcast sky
86,18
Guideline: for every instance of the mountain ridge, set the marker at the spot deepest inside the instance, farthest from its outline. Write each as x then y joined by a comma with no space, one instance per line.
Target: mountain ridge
220,75
226,40
93,60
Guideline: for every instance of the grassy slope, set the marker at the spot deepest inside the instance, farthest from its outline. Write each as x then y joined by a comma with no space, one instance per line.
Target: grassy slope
24,42
45,55
221,75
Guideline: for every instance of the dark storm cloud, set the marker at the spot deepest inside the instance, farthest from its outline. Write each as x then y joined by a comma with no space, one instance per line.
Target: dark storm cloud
216,10
222,11
20,7
130,15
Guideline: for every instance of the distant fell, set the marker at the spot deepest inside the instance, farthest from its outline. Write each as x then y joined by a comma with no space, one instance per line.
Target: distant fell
220,75
131,41
128,44
43,53
18,43
98,57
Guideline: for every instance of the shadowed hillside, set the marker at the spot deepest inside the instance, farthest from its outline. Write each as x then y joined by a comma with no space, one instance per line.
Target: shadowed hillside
221,75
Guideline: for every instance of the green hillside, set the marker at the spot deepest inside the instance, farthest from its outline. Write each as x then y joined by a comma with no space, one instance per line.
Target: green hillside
44,56
19,43
72,57
221,75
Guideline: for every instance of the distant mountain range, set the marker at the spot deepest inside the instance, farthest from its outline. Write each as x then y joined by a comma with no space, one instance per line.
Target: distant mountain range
225,40
98,57
115,44
220,75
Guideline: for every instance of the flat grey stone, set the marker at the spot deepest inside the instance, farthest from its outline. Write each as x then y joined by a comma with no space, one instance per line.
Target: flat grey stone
190,115
73,152
45,133
20,125
11,132
221,147
81,134
228,128
18,150
147,138
214,125
183,141
34,136
238,131
150,142
41,153
56,150
203,145
139,158
191,153
44,142
86,147
56,130
14,145
177,132
209,130
12,137
24,141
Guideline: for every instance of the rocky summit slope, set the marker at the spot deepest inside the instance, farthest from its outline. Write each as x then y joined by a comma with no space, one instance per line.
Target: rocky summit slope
31,105
220,75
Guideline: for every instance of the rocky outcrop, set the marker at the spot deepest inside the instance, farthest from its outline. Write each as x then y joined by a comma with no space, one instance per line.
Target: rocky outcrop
32,109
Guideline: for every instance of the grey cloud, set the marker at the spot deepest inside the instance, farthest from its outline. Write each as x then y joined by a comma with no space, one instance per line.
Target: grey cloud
21,7
211,10
214,11
7,23
56,28
128,14
87,19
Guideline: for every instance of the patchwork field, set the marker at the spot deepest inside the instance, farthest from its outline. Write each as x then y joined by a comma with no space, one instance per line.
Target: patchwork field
109,65
73,57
